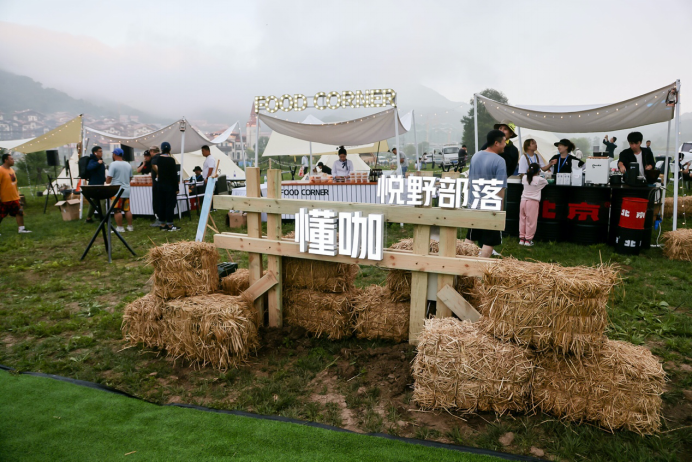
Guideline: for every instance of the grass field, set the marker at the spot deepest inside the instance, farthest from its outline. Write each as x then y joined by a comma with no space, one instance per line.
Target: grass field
60,315
46,419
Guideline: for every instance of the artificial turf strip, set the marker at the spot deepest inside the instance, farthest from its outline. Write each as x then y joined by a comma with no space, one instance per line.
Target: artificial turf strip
45,419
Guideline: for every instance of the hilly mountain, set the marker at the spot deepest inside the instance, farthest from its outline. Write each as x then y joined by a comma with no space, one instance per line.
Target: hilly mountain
18,92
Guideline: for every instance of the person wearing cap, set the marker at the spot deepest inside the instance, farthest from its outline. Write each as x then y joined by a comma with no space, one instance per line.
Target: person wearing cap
324,168
343,167
198,177
97,176
511,153
167,173
120,173
562,162
145,167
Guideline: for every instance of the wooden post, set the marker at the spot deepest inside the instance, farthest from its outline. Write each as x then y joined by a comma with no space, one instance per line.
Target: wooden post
254,229
448,248
419,284
274,261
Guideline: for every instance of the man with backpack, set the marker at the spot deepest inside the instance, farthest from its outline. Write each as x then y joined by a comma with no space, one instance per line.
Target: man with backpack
96,175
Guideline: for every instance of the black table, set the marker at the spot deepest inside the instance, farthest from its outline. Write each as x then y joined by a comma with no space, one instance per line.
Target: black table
95,194
580,214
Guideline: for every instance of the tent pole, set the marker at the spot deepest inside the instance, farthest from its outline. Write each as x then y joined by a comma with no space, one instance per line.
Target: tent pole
666,172
521,146
675,162
396,140
257,142
182,158
475,120
415,138
310,172
81,196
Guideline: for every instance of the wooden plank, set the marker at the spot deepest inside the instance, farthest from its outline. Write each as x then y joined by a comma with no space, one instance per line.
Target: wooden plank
458,304
274,297
254,230
419,284
435,216
266,282
396,259
448,244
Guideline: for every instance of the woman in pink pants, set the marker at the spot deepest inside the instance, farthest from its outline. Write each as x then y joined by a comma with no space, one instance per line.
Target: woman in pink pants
530,201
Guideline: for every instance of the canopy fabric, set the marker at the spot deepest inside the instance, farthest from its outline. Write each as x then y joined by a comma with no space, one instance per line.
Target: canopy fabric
194,140
194,159
646,109
11,144
69,132
282,145
63,177
363,130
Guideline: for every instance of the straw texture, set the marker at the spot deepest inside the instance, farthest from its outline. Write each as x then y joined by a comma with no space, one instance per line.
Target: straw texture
618,386
143,322
327,314
320,276
236,283
184,269
684,204
215,329
458,366
378,317
546,306
678,244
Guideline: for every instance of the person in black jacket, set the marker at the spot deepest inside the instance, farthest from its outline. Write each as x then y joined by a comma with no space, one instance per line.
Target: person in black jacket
610,146
511,153
562,162
325,169
636,153
168,184
97,177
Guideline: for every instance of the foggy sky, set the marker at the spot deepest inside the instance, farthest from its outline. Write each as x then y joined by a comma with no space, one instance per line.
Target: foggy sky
174,58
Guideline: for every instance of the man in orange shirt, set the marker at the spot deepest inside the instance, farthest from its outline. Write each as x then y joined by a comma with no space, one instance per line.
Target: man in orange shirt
9,194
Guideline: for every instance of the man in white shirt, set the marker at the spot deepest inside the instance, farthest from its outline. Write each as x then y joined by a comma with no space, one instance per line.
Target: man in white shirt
343,167
209,164
120,173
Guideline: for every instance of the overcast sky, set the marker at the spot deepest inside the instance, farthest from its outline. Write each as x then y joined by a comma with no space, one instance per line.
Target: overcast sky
173,57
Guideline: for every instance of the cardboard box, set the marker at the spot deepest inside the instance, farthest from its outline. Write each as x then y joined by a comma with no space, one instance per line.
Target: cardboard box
69,209
236,219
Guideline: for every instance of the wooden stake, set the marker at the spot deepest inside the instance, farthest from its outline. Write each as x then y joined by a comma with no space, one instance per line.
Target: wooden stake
274,303
419,284
254,229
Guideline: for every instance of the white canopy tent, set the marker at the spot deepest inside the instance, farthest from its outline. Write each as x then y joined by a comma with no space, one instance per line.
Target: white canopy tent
11,144
653,107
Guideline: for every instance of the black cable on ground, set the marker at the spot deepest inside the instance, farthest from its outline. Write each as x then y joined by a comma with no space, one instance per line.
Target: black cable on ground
431,444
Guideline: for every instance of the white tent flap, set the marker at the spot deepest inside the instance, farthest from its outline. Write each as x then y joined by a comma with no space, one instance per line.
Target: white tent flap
194,140
363,130
646,109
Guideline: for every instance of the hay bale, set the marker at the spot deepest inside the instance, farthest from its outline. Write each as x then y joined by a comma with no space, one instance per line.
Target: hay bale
458,366
319,276
184,269
684,204
678,244
320,314
377,316
236,283
399,281
618,386
546,306
143,322
214,329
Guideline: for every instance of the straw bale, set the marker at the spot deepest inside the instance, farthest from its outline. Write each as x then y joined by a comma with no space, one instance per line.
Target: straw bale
545,305
143,322
214,329
236,283
678,244
399,282
459,366
617,386
320,314
684,205
320,276
184,269
377,316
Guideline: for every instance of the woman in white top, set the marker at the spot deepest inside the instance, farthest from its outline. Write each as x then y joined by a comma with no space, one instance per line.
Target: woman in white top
531,156
343,167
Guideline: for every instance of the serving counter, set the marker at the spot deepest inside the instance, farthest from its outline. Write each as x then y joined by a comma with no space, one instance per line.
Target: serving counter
580,214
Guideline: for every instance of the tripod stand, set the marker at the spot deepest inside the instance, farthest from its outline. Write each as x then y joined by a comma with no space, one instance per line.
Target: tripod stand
50,187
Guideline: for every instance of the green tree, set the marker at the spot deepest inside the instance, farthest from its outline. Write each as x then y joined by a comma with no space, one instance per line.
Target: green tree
409,150
485,120
262,144
584,145
35,164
